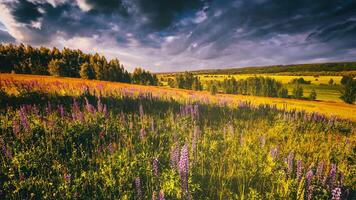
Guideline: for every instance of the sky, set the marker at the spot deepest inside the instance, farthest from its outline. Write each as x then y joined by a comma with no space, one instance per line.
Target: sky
179,35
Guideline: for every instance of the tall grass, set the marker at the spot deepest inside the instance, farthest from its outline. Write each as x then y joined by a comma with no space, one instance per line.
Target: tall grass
85,144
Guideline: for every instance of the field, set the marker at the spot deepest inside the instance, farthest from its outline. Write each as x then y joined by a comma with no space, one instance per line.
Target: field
65,138
325,92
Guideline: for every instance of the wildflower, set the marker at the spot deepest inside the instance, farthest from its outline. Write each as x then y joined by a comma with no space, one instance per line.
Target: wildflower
184,169
309,177
61,110
161,196
332,175
174,154
155,166
336,194
99,106
299,169
274,153
15,128
23,119
89,107
67,176
290,162
111,148
309,187
138,187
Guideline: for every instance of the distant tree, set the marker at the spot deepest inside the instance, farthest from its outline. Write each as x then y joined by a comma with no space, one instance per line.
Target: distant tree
300,81
348,92
312,95
298,91
143,77
213,89
283,93
331,81
87,71
345,79
56,67
196,84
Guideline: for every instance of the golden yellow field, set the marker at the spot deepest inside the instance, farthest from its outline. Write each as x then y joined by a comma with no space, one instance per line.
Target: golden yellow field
339,109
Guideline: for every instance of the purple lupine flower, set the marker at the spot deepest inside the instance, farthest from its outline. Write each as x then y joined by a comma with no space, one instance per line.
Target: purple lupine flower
16,128
299,169
67,177
319,171
336,193
138,187
174,154
105,111
155,167
111,148
90,108
309,177
184,169
61,110
332,175
290,162
274,153
309,187
99,106
23,119
142,133
161,196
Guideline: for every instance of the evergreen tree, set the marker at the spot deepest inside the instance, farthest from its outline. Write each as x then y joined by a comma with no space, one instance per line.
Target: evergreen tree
87,71
56,67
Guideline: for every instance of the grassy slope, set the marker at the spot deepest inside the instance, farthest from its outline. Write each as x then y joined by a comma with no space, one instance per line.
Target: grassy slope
338,109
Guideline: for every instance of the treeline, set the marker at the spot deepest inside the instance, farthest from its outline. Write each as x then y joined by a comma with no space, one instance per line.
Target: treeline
295,68
23,59
185,81
256,86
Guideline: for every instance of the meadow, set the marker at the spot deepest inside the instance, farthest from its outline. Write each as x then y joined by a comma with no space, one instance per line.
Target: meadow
65,138
320,83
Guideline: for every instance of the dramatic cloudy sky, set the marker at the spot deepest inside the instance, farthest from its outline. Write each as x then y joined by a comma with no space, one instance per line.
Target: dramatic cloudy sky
176,35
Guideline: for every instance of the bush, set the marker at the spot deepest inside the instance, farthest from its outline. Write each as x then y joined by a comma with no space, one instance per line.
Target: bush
348,92
298,91
213,89
312,95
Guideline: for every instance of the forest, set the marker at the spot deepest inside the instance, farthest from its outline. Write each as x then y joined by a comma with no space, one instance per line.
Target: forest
21,59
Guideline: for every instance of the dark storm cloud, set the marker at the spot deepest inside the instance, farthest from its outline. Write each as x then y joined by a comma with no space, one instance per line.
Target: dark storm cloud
207,33
25,12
